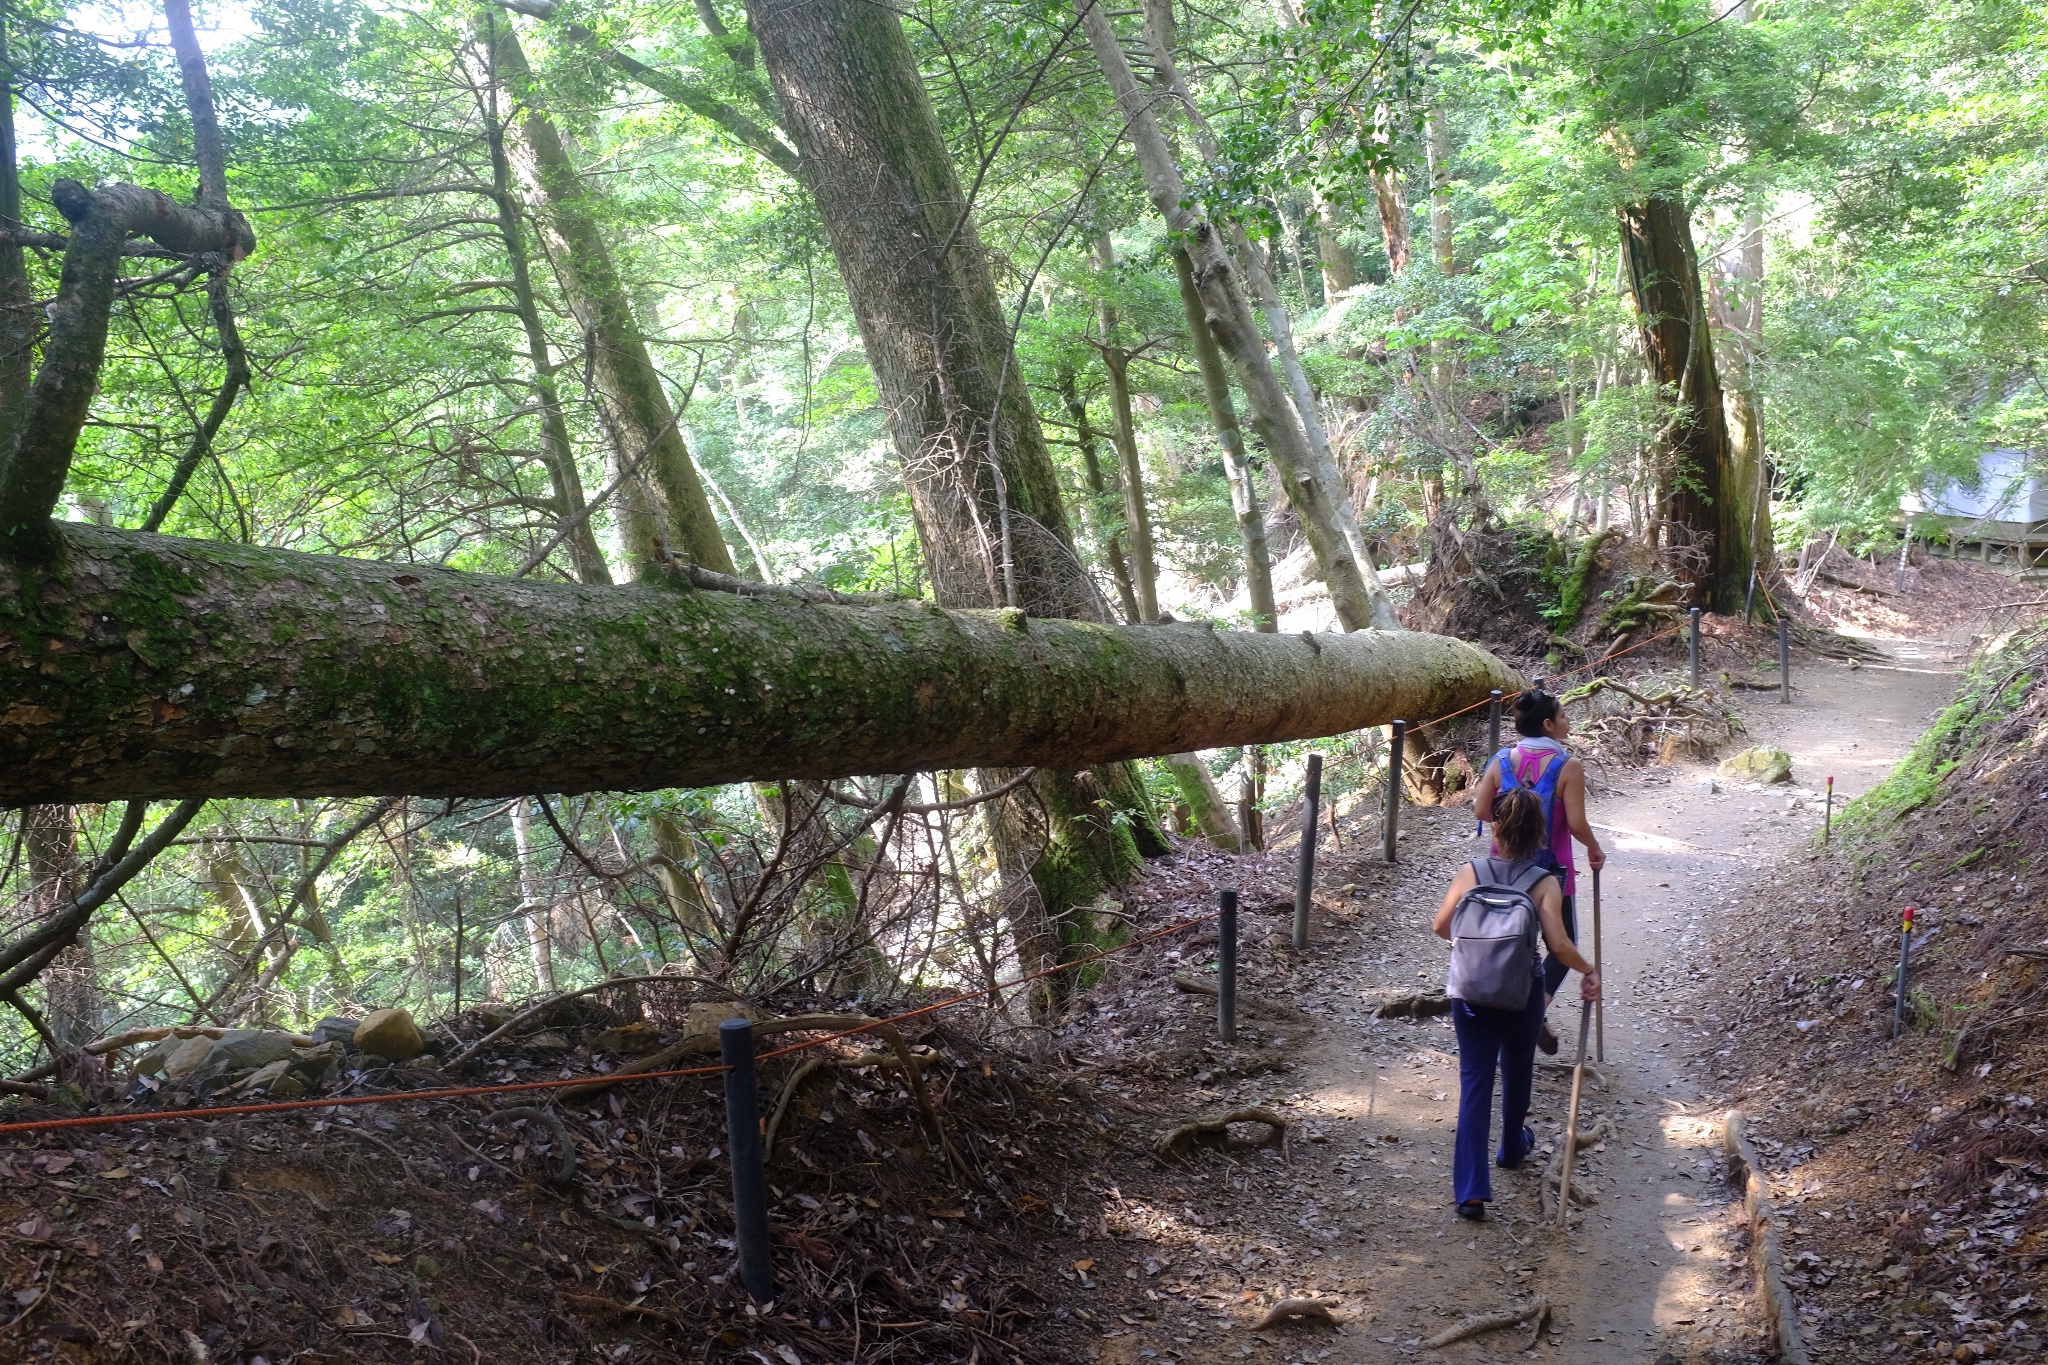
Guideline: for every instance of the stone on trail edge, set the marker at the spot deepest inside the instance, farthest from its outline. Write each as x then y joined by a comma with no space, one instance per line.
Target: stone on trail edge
1766,763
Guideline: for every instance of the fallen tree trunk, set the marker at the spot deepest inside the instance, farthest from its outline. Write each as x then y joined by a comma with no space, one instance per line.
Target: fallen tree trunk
145,667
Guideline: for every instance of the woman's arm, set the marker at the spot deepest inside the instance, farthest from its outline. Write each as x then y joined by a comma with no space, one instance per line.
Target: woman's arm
1550,909
1571,785
1460,884
1483,794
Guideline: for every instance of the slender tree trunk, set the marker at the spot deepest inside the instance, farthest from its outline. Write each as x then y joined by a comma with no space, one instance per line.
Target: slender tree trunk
1137,517
1390,197
1340,269
533,905
558,455
1437,145
71,994
1736,290
636,401
1695,451
1244,493
1098,490
1228,315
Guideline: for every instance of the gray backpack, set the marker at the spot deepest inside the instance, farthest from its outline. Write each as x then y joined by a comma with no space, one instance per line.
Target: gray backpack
1494,931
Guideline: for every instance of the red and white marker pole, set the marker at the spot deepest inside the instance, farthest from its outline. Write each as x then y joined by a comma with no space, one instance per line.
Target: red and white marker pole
1905,950
1827,820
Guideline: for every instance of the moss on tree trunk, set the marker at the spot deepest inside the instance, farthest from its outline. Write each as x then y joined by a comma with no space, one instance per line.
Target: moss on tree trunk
146,666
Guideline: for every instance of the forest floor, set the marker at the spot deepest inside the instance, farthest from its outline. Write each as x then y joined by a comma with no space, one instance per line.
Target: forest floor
1361,1209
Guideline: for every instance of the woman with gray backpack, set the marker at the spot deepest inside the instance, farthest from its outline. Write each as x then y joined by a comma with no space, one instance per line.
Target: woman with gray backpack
1493,914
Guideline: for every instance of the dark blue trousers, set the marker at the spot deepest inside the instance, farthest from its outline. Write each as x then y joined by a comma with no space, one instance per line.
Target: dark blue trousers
1554,971
1491,1041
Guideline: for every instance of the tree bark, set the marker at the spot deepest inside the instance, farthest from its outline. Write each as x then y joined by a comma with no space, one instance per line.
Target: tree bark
1736,297
46,432
1116,362
637,403
558,455
146,666
1244,492
1340,268
1696,479
533,905
1228,315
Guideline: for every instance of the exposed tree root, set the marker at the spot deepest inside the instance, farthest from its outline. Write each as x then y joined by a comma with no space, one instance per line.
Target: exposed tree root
1421,1005
1250,1006
544,1006
1299,1310
1536,1325
1537,1308
1594,1071
1765,1252
1215,1132
1554,1175
565,1146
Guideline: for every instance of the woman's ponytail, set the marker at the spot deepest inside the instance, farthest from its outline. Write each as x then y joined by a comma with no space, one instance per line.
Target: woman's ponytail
1517,822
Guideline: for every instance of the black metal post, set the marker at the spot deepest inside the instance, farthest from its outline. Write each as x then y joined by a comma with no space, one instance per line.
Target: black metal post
1226,968
1493,700
1693,651
1784,663
1305,875
1396,749
749,1172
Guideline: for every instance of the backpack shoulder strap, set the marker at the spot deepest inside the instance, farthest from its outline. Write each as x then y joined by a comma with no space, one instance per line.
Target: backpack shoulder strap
1527,876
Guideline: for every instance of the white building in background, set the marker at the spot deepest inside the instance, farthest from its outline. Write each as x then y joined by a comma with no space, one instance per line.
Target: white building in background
2004,521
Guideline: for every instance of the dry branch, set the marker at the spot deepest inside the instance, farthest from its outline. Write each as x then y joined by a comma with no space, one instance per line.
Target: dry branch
1215,1132
102,1046
565,1146
1537,1308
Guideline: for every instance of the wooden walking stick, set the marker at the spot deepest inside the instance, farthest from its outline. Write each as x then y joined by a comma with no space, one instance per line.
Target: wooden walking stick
1600,1005
1571,1126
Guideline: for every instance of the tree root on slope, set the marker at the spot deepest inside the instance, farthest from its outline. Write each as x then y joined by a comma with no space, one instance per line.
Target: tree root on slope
1537,1308
1215,1132
1299,1310
1421,1005
1554,1175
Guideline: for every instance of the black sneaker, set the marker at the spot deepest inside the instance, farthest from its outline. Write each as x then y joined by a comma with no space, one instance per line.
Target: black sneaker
1472,1210
1547,1041
1528,1146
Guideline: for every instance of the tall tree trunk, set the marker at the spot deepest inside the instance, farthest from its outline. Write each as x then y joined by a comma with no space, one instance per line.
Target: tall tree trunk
533,904
71,993
1098,490
1116,362
1244,492
19,323
1697,458
558,455
1227,313
636,402
981,478
1389,195
190,668
1208,812
1437,146
1340,269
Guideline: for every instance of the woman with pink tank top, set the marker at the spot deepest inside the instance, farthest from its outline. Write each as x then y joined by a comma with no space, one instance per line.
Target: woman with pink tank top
1539,762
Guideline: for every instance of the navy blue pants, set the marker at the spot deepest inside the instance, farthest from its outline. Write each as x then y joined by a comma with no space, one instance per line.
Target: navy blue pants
1554,971
1491,1041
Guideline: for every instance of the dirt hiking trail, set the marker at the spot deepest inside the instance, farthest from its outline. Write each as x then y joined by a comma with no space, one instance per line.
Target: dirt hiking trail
1656,1271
